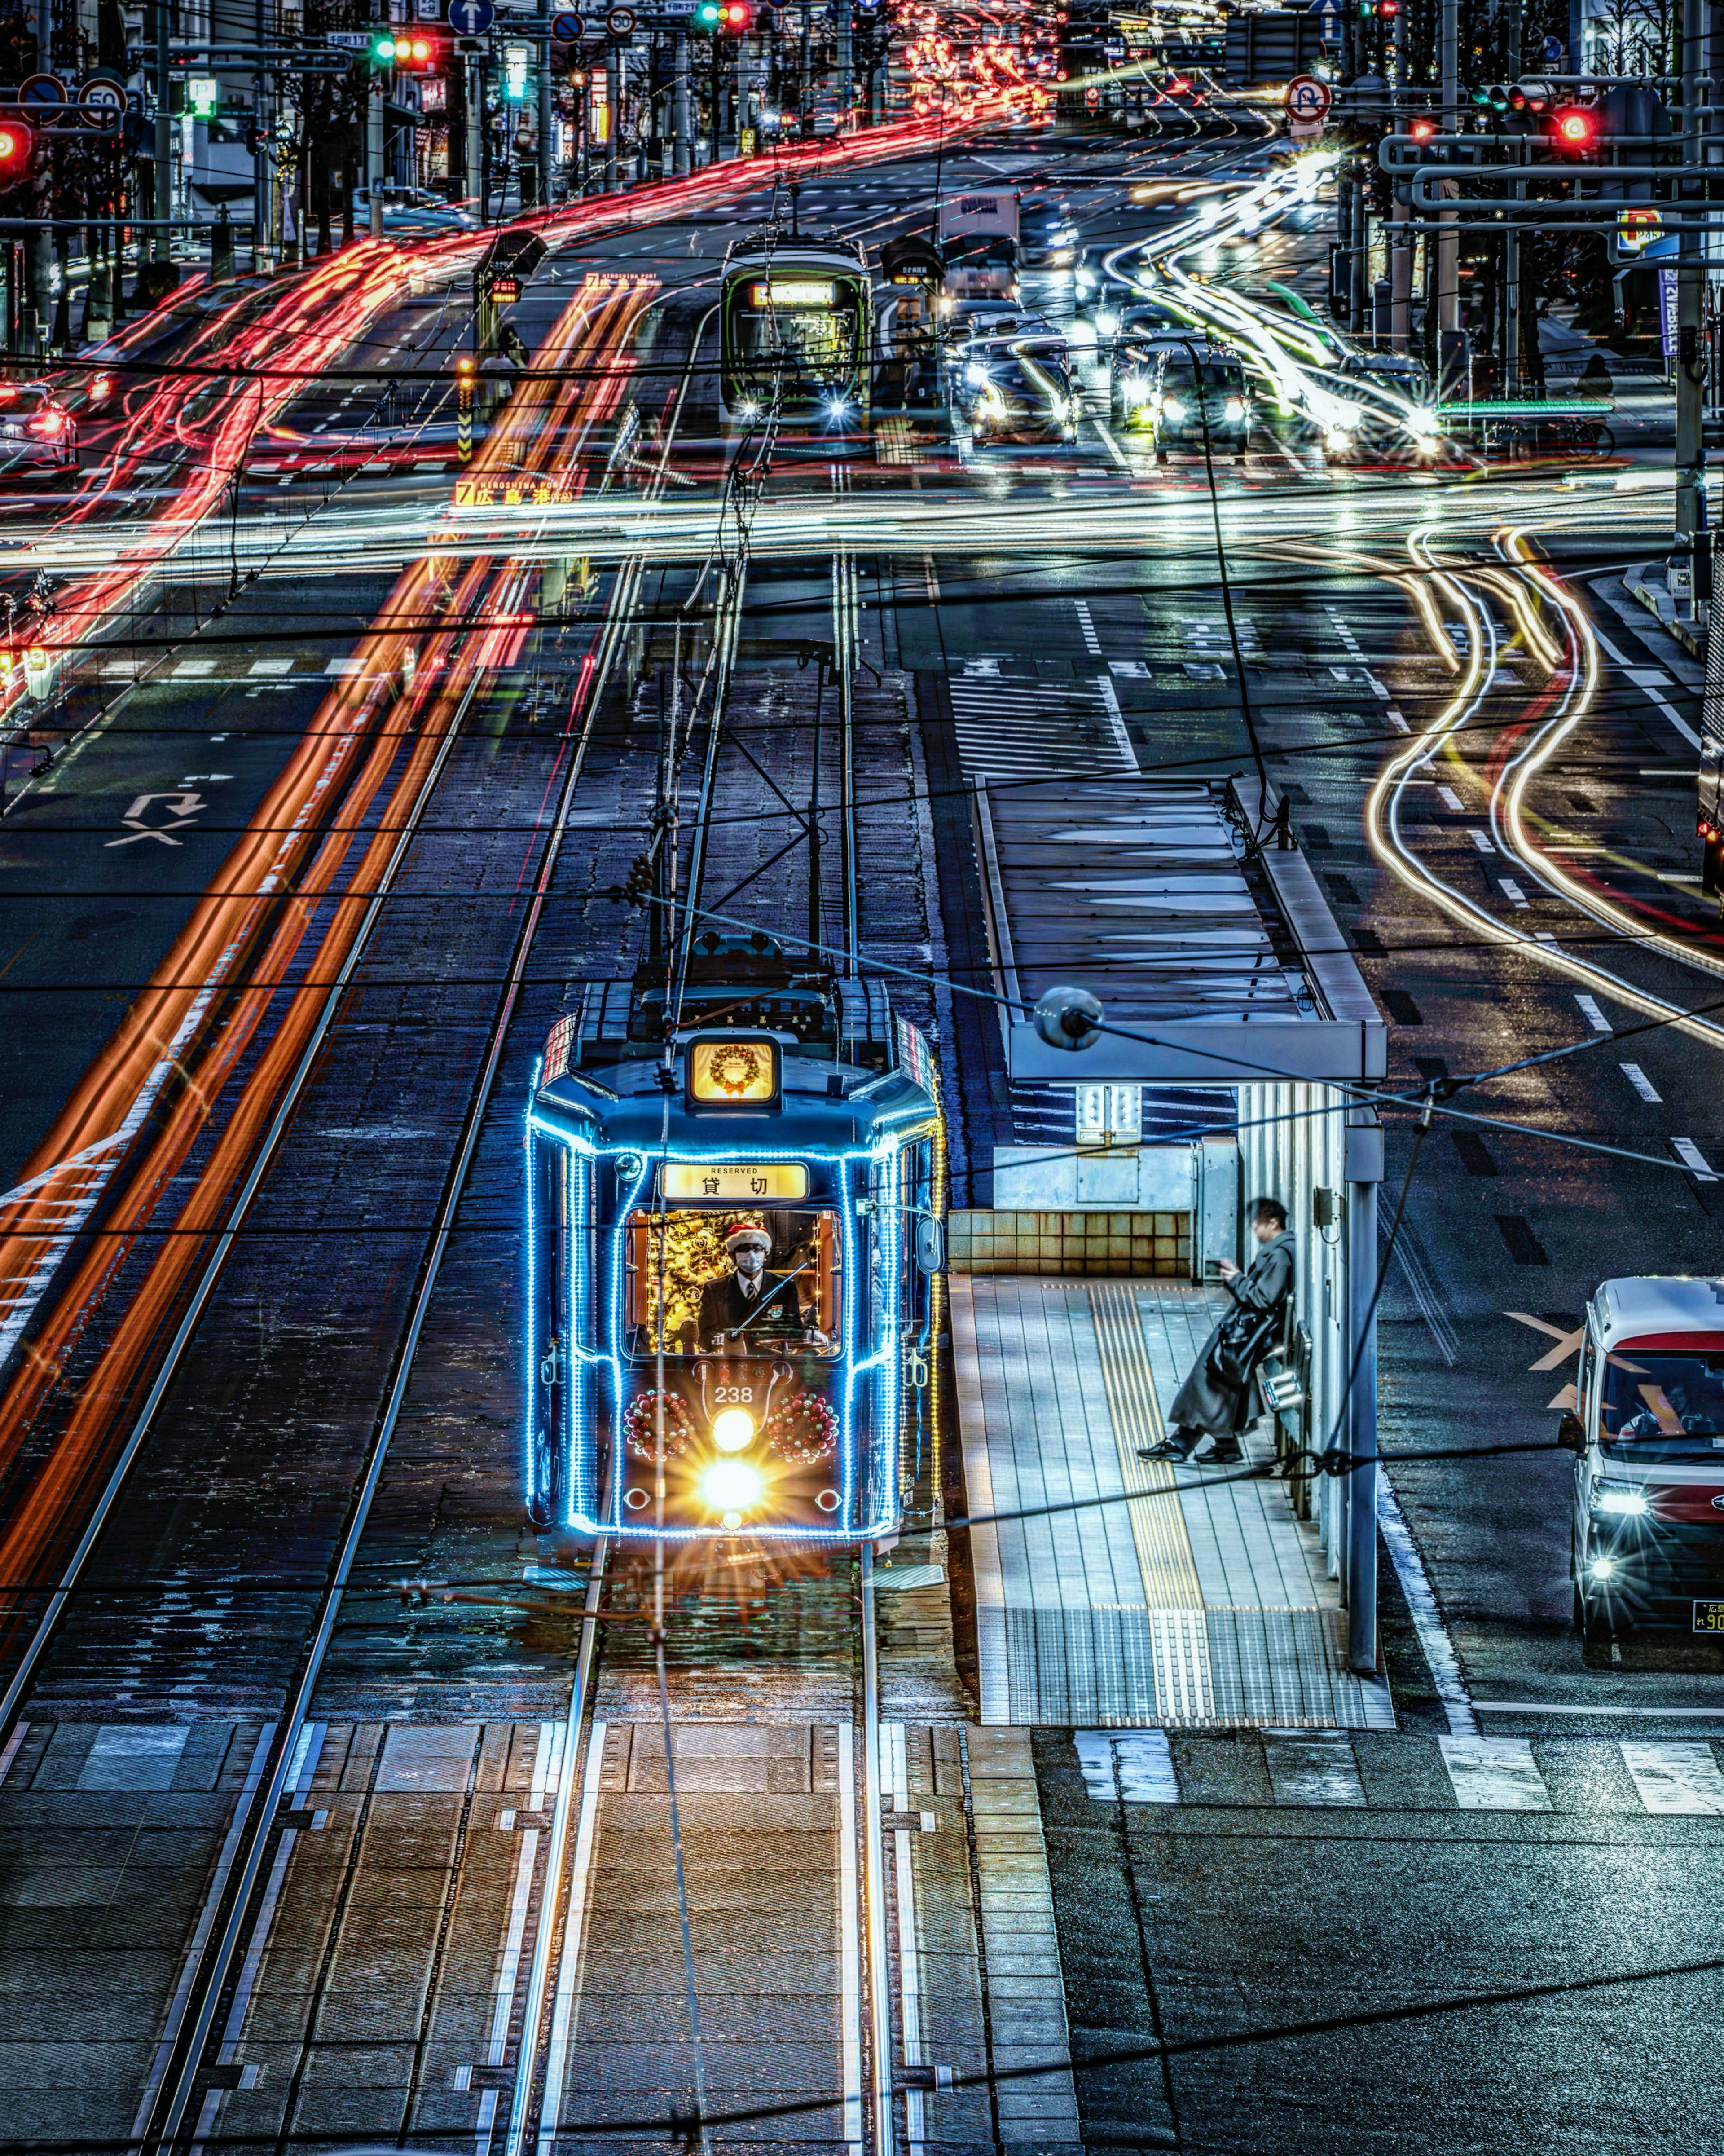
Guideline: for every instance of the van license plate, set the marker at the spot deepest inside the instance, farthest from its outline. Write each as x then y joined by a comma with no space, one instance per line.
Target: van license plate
1709,1616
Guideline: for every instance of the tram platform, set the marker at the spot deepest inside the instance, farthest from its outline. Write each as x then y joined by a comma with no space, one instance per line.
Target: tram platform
1210,1607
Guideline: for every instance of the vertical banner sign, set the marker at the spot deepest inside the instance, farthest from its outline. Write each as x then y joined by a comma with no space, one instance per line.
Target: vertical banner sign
1667,313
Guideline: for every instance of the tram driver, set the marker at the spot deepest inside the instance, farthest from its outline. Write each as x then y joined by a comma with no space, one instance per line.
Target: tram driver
752,1304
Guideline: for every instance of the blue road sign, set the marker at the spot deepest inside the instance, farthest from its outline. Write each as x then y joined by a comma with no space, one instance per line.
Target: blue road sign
568,29
42,90
1555,53
471,19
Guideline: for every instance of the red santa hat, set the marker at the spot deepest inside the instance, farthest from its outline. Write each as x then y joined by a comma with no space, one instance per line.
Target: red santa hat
746,1231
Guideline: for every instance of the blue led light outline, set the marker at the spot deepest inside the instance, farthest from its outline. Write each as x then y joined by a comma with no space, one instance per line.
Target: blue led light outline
889,1150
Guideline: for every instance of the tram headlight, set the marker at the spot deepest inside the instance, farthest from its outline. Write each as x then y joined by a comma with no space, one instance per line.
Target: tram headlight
838,408
731,1486
733,1430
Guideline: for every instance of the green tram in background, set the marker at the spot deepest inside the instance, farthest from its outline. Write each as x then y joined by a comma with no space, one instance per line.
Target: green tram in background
797,324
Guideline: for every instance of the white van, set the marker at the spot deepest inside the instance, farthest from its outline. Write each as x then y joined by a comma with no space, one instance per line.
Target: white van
1648,1437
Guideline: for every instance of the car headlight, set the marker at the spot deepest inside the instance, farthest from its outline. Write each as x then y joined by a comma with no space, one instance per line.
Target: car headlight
1621,1498
1337,438
1601,1568
1234,408
733,1430
1108,322
976,374
1171,408
1061,254
1134,392
1084,279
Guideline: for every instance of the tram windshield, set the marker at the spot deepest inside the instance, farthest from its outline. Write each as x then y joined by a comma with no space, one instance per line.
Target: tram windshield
803,327
768,1281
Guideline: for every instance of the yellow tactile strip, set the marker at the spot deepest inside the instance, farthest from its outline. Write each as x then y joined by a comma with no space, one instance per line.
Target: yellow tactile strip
1164,1551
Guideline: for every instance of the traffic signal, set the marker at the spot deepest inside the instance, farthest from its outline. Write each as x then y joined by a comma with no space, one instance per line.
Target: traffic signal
404,49
1574,129
16,142
731,17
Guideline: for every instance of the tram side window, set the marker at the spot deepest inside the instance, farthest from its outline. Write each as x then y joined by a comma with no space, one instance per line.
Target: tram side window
691,1261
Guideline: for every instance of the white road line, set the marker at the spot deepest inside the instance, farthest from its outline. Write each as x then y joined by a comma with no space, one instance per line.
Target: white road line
1092,643
1450,798
20,1732
568,1970
1309,1768
1495,1774
1675,1777
1590,1012
1482,840
1641,1083
1691,1156
1135,1765
1513,893
1428,1623
850,1937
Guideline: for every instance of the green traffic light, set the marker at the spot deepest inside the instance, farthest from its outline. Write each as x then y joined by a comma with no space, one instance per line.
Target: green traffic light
383,47
709,14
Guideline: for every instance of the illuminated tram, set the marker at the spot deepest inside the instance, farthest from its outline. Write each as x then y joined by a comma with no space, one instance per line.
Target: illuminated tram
797,320
793,1139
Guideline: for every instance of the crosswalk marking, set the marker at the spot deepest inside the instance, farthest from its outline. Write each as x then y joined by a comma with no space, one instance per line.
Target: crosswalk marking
1313,1769
1140,1759
1494,1775
1675,1777
1013,730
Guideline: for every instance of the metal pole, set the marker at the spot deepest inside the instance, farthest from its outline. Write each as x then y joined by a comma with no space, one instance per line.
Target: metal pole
1364,1171
262,252
808,8
475,75
164,125
846,69
1449,241
1691,297
682,133
374,152
545,121
612,110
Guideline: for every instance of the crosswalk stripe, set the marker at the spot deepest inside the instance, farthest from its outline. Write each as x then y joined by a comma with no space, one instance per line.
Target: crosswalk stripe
1495,1774
1675,1777
1313,1769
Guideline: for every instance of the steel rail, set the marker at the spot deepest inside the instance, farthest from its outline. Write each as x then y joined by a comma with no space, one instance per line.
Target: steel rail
171,2113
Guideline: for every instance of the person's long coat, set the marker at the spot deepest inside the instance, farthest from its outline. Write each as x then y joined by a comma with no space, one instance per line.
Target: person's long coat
1204,1402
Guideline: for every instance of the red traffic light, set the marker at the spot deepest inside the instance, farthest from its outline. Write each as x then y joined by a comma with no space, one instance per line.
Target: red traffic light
1388,9
734,16
1422,130
15,140
1574,128
417,51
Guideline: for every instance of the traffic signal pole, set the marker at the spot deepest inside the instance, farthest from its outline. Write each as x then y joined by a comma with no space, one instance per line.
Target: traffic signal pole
1690,301
545,108
162,246
1448,239
374,150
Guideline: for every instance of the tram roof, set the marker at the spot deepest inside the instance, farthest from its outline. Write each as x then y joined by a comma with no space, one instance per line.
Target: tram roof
770,251
622,1103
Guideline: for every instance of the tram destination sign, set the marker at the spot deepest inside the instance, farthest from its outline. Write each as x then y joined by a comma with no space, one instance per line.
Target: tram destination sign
761,1183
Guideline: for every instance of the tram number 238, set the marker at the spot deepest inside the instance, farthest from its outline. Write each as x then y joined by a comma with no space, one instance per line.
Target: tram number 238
732,1396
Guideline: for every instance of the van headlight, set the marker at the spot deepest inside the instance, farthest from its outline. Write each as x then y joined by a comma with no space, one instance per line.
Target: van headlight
1108,322
1234,408
1622,1499
1134,392
1171,408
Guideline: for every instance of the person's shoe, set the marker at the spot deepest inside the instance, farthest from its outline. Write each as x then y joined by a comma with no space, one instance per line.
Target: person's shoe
1169,1448
1224,1455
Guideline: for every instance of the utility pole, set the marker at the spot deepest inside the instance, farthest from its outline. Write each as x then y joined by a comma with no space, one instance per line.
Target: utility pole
263,166
807,66
1448,239
1690,298
373,149
544,118
612,110
473,71
846,69
682,133
162,249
